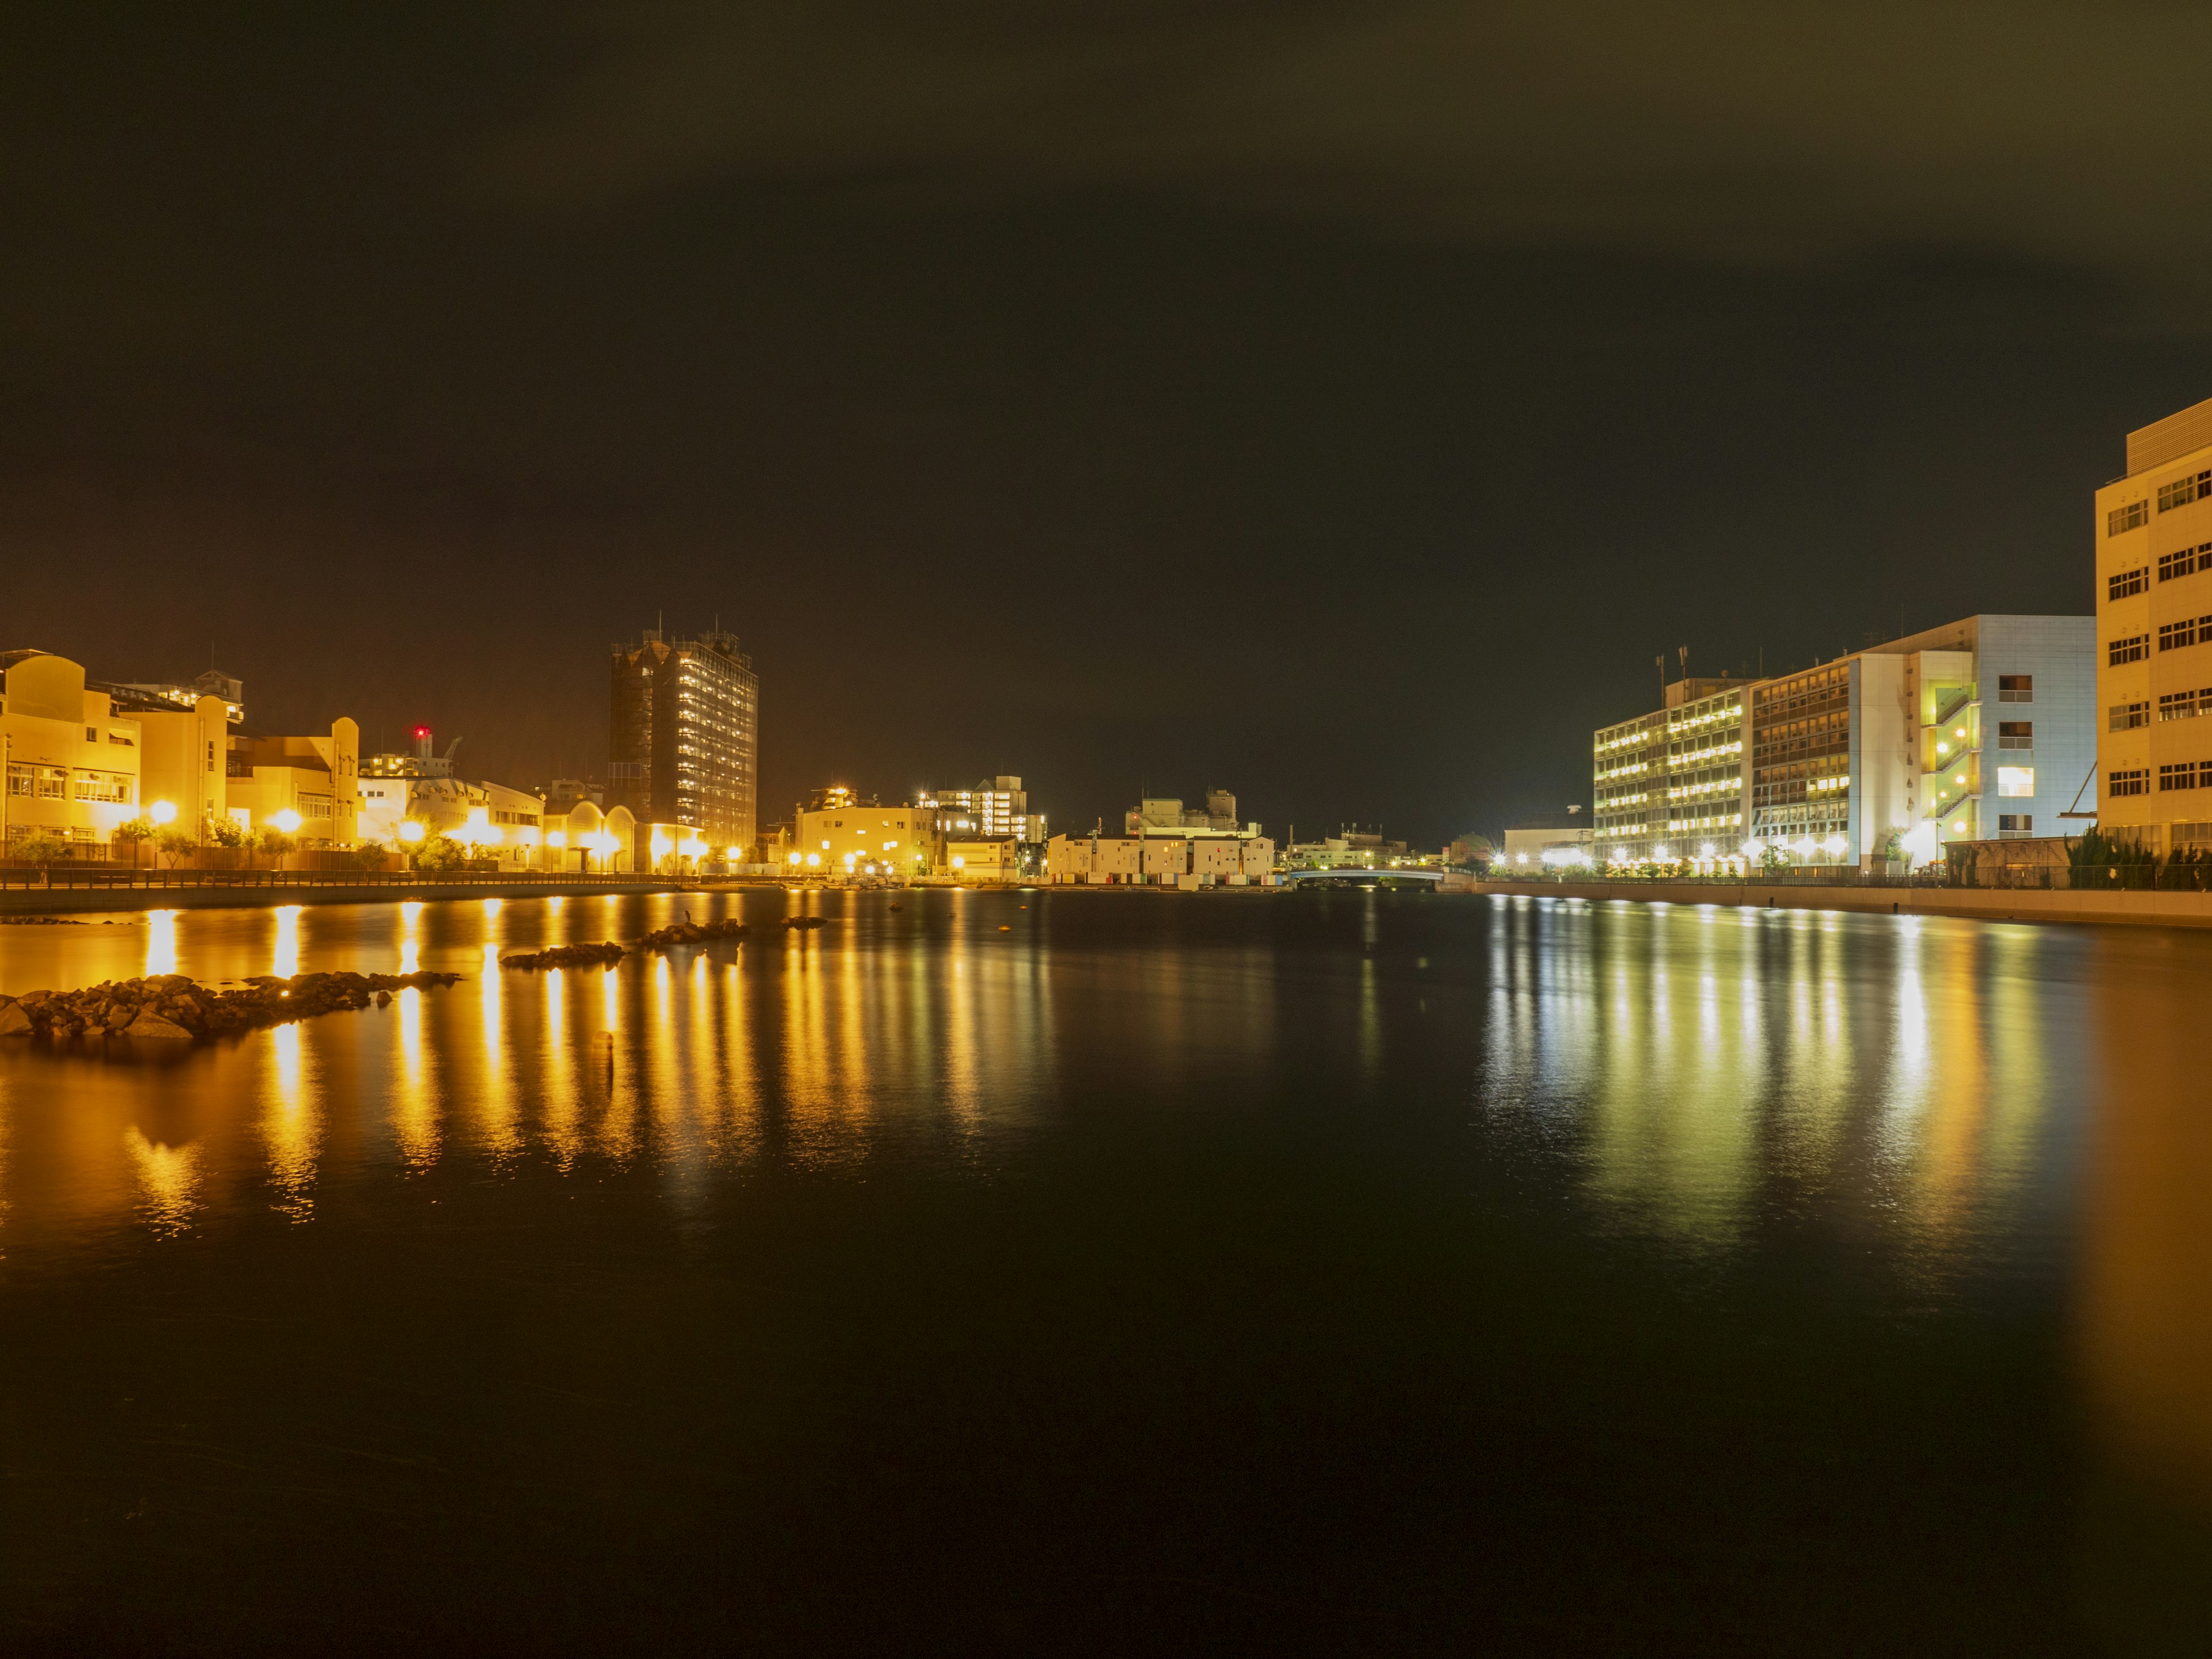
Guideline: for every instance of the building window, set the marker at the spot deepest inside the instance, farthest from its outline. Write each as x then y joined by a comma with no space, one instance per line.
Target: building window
2015,781
107,789
2134,783
2132,649
2182,491
39,782
2128,582
2126,716
2015,825
2171,565
2177,706
2182,776
2015,688
2171,636
2121,520
2015,734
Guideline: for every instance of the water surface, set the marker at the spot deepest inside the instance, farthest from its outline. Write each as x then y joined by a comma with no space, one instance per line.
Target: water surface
1106,1271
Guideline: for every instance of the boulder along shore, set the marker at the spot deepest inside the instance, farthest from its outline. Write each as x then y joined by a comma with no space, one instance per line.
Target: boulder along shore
171,1008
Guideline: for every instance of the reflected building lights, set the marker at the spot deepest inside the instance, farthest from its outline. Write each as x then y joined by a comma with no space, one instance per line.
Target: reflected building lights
160,942
168,1181
286,958
291,1125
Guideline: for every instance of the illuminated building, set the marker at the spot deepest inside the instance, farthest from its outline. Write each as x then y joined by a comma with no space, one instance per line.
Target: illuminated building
1182,858
842,834
1669,784
685,735
309,787
72,763
1166,816
2154,641
1559,839
996,806
1979,729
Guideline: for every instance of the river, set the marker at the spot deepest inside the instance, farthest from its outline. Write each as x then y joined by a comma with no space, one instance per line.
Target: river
1111,1272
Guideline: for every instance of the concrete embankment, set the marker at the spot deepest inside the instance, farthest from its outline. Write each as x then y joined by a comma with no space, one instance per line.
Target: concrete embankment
87,901
1985,904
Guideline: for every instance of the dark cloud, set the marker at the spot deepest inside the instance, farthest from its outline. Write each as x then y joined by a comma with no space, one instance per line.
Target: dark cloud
2040,132
1338,404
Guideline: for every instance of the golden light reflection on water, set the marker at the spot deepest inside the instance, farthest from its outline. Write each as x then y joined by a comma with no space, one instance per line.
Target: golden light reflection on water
496,1126
291,1126
411,916
414,1117
1712,1062
168,1181
285,958
160,942
563,1110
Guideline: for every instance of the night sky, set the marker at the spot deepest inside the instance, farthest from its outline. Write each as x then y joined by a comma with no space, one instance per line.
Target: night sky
1337,404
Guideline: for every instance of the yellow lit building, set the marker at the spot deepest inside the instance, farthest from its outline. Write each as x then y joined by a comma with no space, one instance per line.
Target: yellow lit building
183,761
72,763
2154,530
306,786
842,836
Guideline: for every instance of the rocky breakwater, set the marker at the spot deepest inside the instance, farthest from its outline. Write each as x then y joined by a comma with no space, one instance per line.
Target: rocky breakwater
564,956
691,932
170,1008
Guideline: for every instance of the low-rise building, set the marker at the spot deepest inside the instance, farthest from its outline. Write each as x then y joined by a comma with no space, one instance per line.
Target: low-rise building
1165,860
983,858
1549,838
1357,849
72,762
996,806
308,787
844,835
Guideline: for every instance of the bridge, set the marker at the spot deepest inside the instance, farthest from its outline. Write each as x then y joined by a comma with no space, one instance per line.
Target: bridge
1359,877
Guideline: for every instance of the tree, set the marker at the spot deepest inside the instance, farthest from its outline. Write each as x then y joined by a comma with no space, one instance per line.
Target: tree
174,842
132,833
369,855
274,843
438,852
225,832
41,851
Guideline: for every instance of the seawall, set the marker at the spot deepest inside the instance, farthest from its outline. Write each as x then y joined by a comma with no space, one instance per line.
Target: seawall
1984,904
82,901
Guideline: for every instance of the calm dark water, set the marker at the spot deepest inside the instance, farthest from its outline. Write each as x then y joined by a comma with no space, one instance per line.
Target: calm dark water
1343,1272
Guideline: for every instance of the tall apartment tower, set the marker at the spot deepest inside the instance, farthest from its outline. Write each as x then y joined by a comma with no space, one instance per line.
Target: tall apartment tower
2154,637
685,734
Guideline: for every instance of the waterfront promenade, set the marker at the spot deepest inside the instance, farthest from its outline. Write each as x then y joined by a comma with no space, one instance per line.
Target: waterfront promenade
73,892
2159,909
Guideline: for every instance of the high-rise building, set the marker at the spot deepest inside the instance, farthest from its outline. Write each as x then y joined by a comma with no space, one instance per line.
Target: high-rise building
2154,659
684,744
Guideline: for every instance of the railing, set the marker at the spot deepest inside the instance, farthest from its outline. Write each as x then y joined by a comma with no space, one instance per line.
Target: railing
61,876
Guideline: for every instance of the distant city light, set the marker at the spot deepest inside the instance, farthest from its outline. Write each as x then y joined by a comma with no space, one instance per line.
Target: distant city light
162,812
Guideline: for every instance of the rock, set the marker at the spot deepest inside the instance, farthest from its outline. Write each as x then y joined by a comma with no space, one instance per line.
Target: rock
118,1016
151,1024
14,1022
806,924
564,956
34,998
384,999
